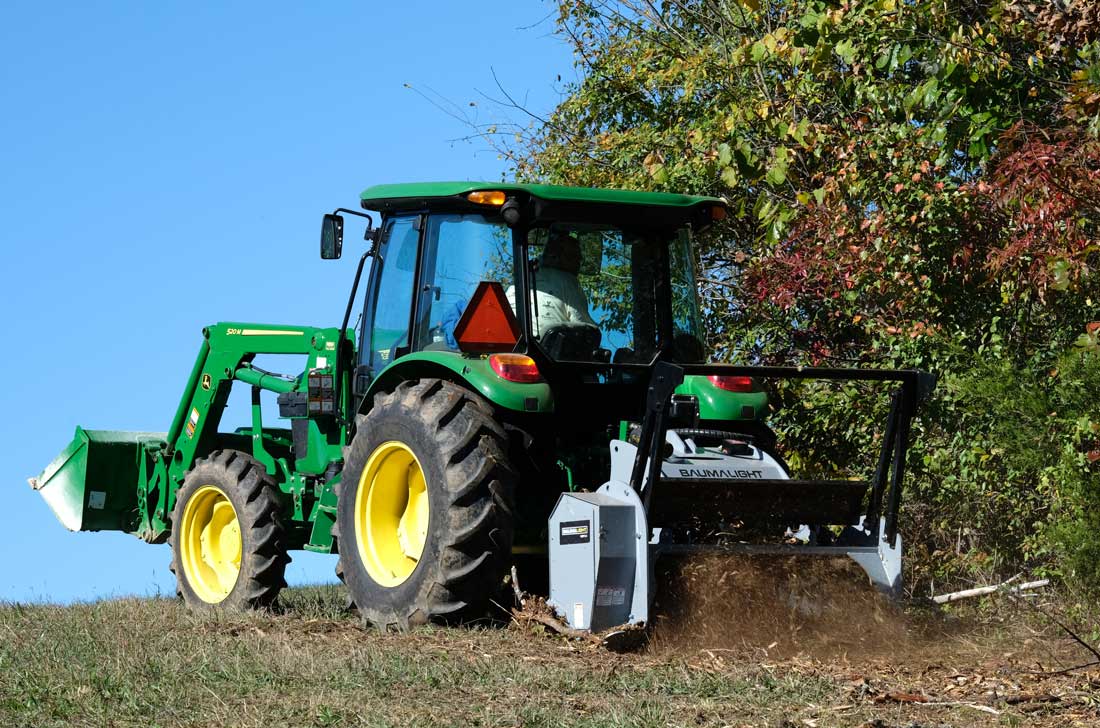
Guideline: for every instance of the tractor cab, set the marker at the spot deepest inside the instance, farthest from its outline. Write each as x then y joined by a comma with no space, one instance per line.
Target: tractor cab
586,287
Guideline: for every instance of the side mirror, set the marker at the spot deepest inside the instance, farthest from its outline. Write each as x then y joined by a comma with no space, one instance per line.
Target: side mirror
332,237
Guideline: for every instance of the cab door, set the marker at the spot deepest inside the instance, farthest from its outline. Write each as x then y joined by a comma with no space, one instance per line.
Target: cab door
388,314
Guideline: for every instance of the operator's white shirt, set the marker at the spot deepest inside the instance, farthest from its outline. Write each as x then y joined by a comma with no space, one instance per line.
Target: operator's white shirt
558,299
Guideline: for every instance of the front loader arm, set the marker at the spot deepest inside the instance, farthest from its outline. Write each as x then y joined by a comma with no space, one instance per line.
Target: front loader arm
127,481
226,355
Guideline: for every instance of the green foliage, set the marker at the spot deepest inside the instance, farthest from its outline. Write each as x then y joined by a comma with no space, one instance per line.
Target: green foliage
1014,484
914,185
1042,445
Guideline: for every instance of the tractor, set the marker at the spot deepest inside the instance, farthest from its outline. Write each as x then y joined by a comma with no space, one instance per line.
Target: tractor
527,386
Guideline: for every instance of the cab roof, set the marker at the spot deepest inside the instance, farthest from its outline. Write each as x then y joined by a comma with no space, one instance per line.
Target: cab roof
413,195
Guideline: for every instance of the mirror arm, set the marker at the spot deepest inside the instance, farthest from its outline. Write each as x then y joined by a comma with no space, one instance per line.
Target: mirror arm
371,233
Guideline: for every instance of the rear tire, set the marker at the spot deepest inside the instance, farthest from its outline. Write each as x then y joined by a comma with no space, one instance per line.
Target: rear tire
425,509
228,545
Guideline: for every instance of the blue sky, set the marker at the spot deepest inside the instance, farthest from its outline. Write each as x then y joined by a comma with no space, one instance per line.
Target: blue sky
164,166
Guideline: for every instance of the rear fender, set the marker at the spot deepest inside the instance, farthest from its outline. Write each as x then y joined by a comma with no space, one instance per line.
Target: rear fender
471,372
720,405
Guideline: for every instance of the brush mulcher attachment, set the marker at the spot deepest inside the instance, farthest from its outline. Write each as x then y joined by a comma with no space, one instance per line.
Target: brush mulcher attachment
667,494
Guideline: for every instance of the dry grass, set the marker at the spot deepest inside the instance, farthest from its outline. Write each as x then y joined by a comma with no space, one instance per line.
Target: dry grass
143,662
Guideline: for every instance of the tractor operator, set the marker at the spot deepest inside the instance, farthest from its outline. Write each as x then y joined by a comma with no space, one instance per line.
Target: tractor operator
557,297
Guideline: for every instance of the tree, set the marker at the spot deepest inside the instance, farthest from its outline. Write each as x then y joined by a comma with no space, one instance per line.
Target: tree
915,184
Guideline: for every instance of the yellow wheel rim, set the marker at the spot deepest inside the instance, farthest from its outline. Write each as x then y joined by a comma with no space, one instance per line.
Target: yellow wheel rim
391,513
210,544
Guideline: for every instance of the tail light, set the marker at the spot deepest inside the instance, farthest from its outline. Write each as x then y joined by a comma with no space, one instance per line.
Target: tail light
515,368
731,384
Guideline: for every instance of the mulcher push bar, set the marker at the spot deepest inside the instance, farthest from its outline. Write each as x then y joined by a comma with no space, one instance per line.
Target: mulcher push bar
915,387
666,377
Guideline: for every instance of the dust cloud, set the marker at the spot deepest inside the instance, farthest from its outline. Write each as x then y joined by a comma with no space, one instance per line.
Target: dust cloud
780,607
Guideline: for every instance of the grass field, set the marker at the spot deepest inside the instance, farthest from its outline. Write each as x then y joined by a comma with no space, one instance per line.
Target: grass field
149,662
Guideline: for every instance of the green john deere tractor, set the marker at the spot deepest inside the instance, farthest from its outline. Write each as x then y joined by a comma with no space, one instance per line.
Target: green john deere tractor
528,384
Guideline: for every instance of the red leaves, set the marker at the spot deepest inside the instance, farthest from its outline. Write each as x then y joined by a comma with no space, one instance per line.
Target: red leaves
1044,193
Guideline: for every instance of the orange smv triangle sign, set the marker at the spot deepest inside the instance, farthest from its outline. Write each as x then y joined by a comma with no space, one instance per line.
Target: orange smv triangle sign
488,323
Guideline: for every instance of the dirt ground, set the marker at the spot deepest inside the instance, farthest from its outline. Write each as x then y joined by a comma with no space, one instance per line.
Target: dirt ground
735,643
902,664
1007,665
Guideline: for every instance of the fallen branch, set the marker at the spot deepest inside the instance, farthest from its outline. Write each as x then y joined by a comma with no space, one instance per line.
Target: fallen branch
918,699
983,590
1032,698
1064,670
1076,638
515,588
961,704
556,625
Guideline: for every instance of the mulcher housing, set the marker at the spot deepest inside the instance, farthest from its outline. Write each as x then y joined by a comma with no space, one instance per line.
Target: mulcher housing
559,423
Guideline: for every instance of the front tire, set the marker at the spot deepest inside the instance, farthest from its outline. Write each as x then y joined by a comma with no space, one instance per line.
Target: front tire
425,510
228,546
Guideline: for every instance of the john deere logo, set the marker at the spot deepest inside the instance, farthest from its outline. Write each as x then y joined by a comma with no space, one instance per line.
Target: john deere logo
206,381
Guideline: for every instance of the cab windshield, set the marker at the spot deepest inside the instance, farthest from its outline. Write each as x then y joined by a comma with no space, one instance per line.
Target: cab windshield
599,294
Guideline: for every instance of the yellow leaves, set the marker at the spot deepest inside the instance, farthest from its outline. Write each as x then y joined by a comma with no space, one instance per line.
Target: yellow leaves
809,197
801,132
654,164
733,119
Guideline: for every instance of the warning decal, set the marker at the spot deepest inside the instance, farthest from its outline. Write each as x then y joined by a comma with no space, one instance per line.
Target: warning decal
610,596
574,532
192,422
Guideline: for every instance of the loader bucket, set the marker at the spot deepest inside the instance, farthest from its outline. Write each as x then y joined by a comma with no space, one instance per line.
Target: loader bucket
93,484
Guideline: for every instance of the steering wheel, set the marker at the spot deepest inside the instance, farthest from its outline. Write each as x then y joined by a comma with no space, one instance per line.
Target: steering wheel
577,341
401,341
